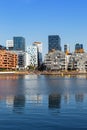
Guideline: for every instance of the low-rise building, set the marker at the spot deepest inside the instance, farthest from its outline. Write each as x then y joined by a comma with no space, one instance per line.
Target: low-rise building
23,60
8,60
78,61
56,60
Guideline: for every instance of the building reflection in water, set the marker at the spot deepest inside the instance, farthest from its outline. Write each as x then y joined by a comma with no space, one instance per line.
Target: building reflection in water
79,97
35,99
9,77
66,98
54,101
19,103
9,101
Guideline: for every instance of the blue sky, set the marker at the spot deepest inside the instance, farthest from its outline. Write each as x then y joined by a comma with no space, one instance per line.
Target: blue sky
36,19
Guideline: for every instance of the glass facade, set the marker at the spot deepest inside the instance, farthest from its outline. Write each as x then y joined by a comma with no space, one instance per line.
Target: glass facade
78,46
54,42
66,48
19,43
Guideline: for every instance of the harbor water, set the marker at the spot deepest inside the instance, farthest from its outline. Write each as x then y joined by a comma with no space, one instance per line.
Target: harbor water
35,102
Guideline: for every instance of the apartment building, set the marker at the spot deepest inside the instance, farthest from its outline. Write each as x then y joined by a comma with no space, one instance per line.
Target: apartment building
55,61
78,61
8,60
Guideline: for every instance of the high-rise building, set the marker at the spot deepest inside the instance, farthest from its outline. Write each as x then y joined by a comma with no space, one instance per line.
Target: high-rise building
19,43
9,44
39,49
66,48
33,56
79,48
54,42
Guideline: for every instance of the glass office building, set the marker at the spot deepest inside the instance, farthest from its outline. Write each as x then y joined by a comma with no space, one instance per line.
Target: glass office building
54,42
78,46
19,43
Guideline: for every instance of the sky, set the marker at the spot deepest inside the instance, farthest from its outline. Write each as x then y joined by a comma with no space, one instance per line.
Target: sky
36,19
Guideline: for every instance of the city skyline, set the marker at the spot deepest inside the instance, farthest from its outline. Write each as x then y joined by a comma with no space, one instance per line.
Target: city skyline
36,19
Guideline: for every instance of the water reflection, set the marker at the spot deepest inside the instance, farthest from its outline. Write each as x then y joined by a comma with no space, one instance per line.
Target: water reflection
35,99
54,101
41,90
9,101
79,97
49,101
66,98
7,77
19,103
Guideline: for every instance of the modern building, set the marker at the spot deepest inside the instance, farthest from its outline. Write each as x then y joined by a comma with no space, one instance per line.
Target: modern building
27,60
79,48
54,43
2,47
66,48
56,60
9,44
19,43
78,61
8,60
39,50
33,56
22,61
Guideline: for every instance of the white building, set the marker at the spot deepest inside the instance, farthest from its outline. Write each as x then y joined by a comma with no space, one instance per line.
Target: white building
78,61
23,59
39,49
27,59
33,56
9,44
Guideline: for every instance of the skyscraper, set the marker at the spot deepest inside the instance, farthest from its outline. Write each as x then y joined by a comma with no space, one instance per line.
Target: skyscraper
54,42
79,48
33,56
66,48
39,51
19,43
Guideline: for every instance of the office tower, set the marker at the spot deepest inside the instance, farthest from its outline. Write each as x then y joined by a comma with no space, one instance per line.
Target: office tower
39,50
9,44
66,48
33,56
79,48
54,42
19,43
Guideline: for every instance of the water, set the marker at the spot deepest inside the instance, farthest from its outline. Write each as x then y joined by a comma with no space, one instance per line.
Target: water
43,102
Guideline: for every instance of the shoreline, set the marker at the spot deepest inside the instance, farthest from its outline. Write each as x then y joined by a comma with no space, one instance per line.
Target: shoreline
62,73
